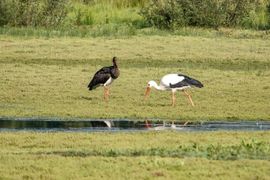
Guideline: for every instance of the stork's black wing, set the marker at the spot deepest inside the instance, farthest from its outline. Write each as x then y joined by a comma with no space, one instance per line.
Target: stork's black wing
187,81
100,77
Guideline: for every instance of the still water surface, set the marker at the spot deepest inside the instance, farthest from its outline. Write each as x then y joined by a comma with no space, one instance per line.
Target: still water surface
91,125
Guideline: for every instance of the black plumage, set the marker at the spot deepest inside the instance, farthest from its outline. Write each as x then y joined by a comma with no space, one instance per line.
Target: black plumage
105,75
187,81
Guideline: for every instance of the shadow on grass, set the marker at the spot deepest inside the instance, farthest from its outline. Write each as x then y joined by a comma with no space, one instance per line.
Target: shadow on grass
85,98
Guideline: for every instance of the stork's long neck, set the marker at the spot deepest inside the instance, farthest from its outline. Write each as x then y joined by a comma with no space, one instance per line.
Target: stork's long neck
115,64
157,86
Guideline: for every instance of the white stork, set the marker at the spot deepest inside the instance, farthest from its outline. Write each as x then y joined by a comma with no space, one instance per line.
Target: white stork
174,82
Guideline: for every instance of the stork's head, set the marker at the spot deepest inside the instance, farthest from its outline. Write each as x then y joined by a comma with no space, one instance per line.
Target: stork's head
114,61
150,84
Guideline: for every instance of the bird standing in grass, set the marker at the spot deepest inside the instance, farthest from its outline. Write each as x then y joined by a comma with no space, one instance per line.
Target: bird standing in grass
104,77
174,82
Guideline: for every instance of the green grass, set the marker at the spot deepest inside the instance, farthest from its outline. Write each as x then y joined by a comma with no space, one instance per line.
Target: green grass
145,155
49,77
127,30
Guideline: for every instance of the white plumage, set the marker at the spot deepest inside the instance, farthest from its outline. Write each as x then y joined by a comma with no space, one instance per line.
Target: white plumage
108,82
174,82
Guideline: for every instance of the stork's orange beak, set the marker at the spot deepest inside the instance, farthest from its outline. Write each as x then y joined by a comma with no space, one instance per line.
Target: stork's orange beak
147,92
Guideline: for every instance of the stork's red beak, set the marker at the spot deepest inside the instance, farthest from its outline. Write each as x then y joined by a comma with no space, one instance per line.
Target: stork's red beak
147,92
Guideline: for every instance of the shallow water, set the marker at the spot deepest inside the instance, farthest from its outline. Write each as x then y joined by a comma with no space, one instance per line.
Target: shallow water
91,125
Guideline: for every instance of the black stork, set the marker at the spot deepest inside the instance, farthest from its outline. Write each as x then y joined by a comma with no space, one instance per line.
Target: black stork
104,77
174,82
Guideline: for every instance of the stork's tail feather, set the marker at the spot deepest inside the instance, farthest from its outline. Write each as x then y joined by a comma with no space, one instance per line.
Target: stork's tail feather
194,82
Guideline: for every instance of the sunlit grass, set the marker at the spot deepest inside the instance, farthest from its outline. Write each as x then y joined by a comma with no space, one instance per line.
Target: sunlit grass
48,77
237,155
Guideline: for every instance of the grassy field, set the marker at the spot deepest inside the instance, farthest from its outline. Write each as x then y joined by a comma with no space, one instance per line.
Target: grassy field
145,155
44,76
45,70
48,77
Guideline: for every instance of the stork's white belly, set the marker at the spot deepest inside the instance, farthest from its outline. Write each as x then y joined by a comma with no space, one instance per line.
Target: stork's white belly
108,82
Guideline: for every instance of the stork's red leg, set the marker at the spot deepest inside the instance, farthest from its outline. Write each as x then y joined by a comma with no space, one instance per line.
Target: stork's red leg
106,93
189,97
173,98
